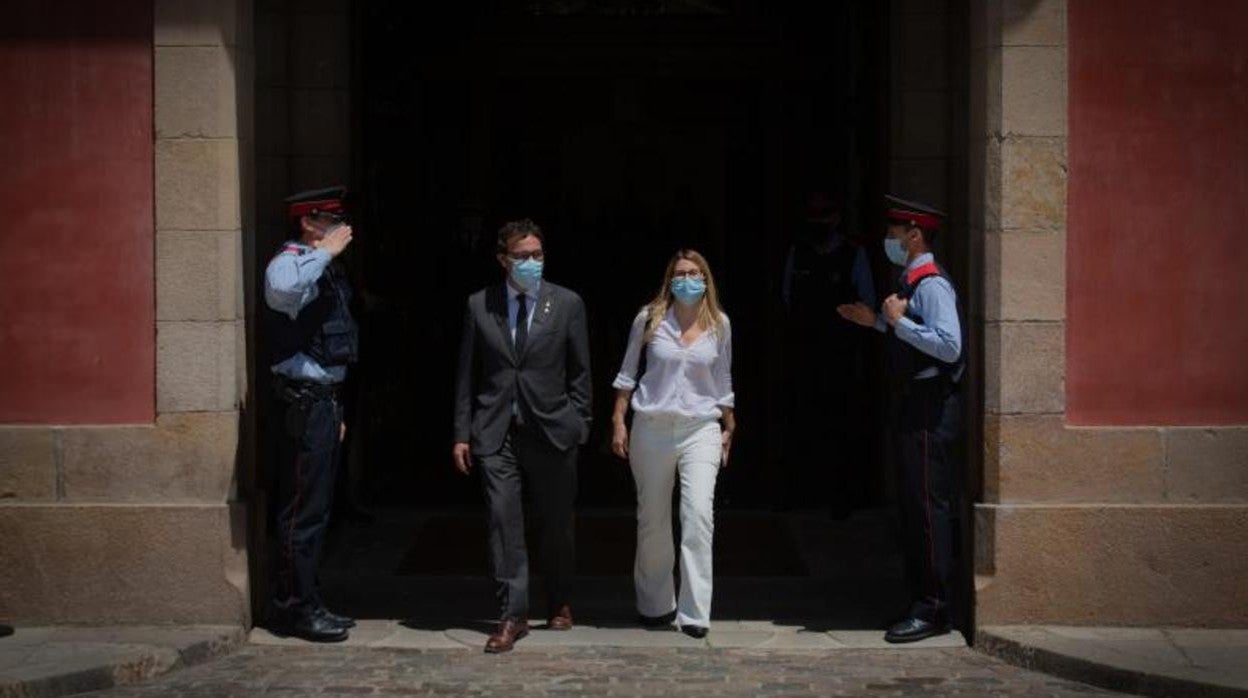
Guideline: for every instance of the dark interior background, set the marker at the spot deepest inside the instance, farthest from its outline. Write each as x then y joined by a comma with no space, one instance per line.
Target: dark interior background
626,130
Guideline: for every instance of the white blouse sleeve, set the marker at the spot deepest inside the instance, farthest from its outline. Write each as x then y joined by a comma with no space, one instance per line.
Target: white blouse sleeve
722,368
626,379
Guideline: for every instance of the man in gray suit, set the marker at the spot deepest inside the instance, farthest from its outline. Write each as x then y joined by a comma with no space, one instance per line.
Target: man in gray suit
522,409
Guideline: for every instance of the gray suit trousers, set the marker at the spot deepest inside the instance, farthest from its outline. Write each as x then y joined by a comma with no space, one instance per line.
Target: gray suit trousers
528,462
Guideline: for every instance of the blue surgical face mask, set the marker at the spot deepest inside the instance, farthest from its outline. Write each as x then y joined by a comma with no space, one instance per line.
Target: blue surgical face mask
526,273
896,253
688,291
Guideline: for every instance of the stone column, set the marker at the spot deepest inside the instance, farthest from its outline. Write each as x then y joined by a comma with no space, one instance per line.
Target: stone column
920,94
141,523
304,116
1079,525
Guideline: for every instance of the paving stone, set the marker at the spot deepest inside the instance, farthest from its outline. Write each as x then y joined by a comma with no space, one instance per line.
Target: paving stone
604,671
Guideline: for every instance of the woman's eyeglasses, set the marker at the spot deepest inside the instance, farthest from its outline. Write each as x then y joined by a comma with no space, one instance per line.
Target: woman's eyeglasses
693,274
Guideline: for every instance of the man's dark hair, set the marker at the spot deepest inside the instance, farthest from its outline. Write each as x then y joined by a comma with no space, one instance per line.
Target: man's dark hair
513,230
929,235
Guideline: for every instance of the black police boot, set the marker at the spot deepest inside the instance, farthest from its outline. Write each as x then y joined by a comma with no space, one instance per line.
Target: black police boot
914,629
306,624
334,618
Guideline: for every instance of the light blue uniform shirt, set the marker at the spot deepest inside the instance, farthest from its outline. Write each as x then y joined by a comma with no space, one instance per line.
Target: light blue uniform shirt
289,286
940,334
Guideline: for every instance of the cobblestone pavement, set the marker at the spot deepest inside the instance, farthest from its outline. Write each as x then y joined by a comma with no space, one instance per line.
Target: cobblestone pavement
307,670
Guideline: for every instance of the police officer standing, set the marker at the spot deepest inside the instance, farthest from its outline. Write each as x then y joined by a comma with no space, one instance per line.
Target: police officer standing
824,268
925,365
314,338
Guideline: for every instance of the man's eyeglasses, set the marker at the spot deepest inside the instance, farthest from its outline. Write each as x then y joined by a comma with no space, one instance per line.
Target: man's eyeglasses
524,256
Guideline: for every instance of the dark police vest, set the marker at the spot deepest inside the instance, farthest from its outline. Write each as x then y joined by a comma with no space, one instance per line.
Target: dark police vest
822,281
904,360
324,329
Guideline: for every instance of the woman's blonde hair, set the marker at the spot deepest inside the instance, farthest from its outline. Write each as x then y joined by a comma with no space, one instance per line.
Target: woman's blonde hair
710,312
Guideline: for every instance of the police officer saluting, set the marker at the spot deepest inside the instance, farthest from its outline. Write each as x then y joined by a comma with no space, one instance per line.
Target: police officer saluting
314,339
925,363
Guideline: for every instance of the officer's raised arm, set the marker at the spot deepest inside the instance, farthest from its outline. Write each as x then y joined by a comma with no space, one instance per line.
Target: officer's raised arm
291,277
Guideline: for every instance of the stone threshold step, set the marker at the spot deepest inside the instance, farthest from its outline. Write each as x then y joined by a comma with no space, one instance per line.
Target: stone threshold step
63,660
724,635
1144,661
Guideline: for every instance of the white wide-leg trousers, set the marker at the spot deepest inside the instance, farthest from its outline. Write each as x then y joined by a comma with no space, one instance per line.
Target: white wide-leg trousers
660,448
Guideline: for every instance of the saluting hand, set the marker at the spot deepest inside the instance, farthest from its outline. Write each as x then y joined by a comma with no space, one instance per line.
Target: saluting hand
894,308
335,241
619,441
461,455
857,313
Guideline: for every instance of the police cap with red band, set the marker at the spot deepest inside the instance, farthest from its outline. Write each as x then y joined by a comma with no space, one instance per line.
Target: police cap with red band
913,213
329,200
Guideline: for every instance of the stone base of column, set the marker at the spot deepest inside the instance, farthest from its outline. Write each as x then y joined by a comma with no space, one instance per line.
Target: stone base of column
1112,564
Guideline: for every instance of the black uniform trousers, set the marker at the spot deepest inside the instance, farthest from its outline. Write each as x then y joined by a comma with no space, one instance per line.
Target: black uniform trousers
926,423
310,419
528,463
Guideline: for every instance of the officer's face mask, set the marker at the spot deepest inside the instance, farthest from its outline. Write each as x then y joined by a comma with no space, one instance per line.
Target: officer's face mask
688,290
895,250
525,273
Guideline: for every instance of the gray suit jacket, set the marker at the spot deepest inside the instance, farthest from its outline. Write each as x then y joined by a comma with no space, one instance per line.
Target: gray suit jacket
551,377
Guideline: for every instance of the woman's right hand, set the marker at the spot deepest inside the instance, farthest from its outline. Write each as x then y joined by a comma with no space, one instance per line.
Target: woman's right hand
619,441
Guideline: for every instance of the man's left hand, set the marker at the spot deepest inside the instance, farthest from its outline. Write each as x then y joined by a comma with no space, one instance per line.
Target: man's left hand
342,432
895,308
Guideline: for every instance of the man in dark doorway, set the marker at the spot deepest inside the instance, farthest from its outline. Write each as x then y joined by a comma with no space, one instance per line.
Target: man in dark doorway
925,366
314,339
522,410
824,362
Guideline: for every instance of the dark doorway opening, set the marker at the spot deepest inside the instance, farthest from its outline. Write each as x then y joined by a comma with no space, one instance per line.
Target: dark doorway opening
625,137
627,130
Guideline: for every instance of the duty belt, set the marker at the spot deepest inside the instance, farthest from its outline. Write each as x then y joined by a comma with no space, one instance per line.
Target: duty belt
293,390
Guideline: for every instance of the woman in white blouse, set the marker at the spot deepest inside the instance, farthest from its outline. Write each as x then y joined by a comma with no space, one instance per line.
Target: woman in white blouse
679,401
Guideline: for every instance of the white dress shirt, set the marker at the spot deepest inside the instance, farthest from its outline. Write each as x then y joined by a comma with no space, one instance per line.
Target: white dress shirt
692,381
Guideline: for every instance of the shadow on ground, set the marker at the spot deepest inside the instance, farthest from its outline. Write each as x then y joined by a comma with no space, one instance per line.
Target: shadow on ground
802,570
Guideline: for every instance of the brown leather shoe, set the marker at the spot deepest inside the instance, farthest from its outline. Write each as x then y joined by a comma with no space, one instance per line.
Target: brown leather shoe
509,631
562,620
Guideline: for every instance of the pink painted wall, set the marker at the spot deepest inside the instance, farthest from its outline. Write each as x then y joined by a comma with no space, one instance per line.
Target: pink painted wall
1157,248
77,298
